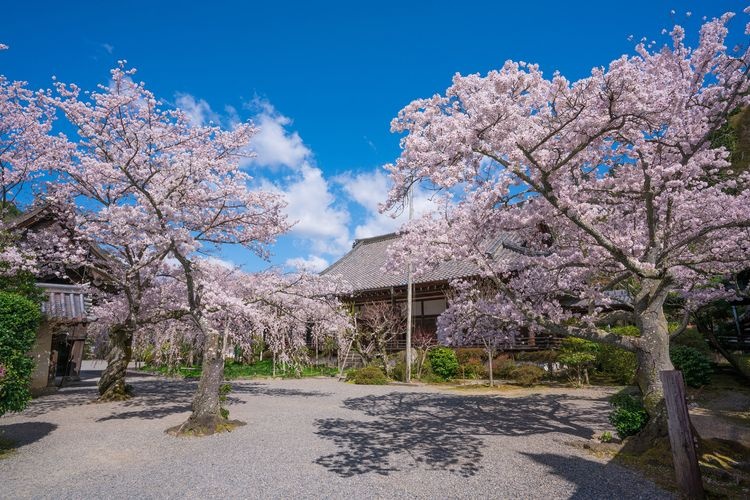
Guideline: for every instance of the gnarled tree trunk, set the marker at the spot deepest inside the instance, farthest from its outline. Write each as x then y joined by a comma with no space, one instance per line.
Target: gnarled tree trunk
206,417
112,385
652,354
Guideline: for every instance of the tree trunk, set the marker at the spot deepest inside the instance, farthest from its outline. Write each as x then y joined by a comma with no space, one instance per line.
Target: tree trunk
652,354
206,417
112,385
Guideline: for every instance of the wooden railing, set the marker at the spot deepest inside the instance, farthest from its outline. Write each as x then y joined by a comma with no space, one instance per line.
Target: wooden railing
65,302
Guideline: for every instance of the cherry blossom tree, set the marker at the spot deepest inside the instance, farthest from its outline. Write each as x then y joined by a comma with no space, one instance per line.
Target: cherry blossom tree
27,149
242,307
473,318
151,186
609,182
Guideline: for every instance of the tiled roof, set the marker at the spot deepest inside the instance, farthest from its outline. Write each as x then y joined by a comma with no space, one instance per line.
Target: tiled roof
364,266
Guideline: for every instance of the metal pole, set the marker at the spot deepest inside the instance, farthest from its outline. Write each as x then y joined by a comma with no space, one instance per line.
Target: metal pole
409,300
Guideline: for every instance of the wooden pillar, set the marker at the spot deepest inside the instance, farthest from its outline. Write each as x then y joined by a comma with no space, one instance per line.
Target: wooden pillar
76,357
685,459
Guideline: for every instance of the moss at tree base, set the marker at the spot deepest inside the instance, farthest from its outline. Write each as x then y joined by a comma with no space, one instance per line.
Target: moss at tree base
116,393
204,427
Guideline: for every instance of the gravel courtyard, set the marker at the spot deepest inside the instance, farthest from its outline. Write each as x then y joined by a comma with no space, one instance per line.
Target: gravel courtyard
313,438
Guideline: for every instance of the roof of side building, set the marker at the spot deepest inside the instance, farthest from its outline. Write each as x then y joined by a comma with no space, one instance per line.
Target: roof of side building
363,267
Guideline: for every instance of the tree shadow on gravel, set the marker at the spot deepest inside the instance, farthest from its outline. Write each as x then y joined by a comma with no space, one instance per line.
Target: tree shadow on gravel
25,433
158,398
64,398
593,479
445,432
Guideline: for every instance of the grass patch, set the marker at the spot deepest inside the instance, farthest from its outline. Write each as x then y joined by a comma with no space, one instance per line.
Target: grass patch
234,371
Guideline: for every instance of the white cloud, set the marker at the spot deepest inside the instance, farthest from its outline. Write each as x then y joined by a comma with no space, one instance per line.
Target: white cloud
312,263
312,205
369,190
198,111
108,47
273,144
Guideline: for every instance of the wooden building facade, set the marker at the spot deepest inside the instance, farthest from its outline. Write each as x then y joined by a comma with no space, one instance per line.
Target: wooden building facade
363,268
66,313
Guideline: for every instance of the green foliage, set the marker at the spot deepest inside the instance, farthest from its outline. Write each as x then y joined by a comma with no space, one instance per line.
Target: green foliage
23,284
695,367
606,437
625,330
503,367
471,362
628,415
233,370
19,319
735,136
527,375
444,362
578,354
692,338
473,368
369,375
8,211
617,363
467,354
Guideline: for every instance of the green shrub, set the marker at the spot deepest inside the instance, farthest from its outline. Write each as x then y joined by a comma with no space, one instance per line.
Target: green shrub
617,363
466,354
628,415
369,375
695,367
503,367
19,319
444,362
547,356
527,375
691,338
606,437
578,354
473,368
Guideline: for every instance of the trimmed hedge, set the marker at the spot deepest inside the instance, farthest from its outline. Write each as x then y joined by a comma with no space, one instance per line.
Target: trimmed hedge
369,375
19,319
527,375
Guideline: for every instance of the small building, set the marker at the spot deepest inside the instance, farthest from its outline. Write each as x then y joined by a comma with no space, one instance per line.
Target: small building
363,268
59,347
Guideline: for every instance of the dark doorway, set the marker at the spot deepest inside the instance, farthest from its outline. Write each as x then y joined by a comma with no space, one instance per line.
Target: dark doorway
61,346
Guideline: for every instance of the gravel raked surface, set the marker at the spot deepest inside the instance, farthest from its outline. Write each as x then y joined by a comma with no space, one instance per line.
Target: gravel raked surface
314,438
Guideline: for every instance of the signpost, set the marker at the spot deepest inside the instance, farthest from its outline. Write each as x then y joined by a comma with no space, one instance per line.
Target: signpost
685,459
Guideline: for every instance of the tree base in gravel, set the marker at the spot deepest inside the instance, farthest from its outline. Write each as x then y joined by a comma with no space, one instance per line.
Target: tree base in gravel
204,427
116,392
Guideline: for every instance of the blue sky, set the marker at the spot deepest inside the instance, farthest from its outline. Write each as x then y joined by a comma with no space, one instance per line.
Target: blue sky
322,79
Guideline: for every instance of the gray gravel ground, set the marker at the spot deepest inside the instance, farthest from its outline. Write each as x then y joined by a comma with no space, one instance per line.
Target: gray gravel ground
313,438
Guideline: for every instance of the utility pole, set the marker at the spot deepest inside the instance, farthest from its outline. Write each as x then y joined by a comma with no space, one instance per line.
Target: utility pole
409,299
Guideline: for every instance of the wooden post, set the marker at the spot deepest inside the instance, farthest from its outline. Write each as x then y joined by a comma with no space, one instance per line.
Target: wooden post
686,468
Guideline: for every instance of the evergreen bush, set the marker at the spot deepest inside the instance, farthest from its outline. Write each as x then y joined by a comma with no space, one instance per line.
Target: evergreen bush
444,362
628,415
19,319
695,366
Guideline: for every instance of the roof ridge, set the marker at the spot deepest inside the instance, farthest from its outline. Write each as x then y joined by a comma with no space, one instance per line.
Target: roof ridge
375,239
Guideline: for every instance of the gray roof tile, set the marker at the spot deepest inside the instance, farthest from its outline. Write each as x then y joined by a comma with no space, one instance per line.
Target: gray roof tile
364,266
